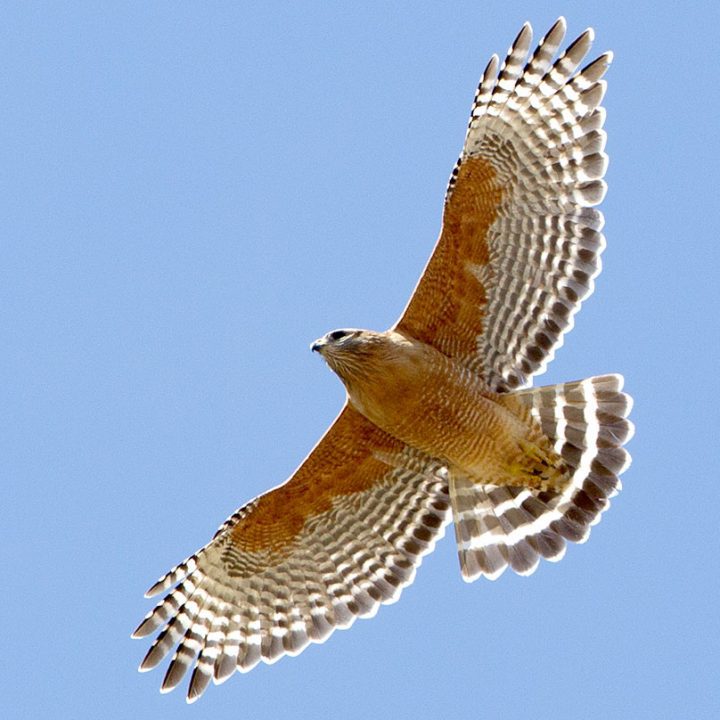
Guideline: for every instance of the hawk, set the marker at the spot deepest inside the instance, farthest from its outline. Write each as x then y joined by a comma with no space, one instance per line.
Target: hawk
440,420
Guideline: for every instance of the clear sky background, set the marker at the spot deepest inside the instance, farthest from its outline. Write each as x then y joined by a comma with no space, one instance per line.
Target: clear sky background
191,193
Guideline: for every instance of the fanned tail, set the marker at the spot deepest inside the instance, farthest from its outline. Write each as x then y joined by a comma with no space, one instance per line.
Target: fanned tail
500,526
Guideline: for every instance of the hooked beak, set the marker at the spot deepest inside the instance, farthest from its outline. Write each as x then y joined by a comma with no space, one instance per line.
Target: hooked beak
318,345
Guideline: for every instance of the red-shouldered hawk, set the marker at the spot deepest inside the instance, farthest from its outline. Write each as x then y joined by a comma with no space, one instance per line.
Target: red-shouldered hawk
435,424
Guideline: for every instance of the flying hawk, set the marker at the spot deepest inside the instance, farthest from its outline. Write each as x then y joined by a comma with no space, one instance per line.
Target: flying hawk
439,420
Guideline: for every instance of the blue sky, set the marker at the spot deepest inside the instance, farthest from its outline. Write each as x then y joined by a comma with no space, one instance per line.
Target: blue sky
194,192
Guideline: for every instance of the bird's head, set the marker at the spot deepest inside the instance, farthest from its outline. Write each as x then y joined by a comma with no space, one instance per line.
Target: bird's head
352,353
341,345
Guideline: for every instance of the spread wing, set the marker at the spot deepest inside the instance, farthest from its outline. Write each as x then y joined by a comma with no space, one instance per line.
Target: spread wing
520,240
342,535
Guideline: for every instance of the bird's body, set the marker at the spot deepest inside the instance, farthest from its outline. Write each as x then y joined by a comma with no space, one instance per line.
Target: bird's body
440,421
436,405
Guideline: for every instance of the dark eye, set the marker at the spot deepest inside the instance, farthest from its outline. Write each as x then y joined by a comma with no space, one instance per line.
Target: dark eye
338,334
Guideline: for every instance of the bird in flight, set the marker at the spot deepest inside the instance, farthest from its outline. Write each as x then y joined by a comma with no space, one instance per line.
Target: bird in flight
440,421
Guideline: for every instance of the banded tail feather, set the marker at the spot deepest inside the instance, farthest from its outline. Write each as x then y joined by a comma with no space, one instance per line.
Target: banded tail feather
500,526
